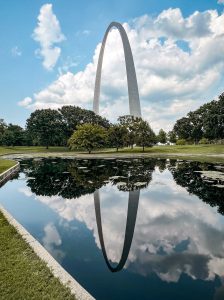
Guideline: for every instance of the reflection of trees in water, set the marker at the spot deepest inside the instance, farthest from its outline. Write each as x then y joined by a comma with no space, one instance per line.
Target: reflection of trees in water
74,178
134,174
186,174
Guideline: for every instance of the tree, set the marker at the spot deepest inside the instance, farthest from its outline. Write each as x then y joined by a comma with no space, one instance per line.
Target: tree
183,128
3,127
213,119
73,116
172,137
88,136
161,137
116,136
45,126
130,123
13,135
205,122
144,134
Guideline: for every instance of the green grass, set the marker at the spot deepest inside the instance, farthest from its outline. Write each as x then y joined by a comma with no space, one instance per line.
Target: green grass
186,149
23,276
6,164
210,153
31,149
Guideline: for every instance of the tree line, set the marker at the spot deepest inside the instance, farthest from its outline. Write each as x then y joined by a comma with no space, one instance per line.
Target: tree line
203,125
82,129
78,128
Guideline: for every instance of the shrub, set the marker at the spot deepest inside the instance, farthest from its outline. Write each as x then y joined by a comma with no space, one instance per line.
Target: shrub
204,141
181,142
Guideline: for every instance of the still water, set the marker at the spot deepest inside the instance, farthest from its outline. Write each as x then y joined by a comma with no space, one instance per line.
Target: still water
127,229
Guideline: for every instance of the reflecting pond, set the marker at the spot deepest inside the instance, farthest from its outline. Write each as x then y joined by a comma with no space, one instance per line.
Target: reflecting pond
127,229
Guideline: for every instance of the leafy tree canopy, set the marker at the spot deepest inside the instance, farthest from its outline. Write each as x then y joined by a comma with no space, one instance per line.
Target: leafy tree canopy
46,127
88,136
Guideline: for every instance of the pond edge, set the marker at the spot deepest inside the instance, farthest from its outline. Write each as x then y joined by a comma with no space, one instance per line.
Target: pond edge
8,173
57,270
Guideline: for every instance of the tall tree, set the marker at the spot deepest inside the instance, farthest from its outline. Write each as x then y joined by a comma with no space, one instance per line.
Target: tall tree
162,137
3,127
207,121
144,134
74,116
88,136
117,135
130,123
13,135
46,127
172,136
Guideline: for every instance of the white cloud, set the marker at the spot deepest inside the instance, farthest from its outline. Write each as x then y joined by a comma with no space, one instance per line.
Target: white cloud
165,216
25,102
83,32
48,33
15,51
173,79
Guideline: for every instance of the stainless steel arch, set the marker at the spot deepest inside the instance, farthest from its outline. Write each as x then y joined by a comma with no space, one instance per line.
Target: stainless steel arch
133,94
129,231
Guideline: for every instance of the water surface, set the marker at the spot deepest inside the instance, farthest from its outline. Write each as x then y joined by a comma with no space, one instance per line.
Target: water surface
127,229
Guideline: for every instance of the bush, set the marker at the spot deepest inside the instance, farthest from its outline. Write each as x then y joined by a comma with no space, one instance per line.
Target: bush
181,142
204,141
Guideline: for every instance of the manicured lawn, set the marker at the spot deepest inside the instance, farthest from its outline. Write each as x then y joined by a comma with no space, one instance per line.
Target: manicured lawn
194,149
26,149
6,164
210,153
23,276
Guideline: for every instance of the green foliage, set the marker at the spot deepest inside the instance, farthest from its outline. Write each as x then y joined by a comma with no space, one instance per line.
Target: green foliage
172,137
205,122
46,128
88,136
144,134
138,131
74,116
204,141
117,135
181,142
130,123
162,137
13,135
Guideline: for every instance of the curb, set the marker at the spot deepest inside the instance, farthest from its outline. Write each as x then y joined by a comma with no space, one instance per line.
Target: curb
8,173
57,270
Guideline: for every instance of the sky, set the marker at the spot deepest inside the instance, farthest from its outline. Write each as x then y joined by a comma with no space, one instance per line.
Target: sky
49,53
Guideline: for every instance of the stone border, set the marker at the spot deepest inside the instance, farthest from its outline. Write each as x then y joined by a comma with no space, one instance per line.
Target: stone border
57,270
8,173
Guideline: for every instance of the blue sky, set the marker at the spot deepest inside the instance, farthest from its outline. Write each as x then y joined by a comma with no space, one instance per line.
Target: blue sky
82,24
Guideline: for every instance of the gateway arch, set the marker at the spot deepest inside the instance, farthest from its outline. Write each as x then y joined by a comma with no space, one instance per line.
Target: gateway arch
133,94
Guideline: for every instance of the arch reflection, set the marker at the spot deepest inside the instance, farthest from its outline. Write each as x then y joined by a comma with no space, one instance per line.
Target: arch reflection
133,201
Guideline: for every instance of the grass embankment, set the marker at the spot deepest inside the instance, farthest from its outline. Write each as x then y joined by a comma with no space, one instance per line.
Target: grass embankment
23,275
210,153
6,164
31,149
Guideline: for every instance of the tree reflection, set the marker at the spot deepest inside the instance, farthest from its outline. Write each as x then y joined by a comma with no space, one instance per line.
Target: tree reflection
188,176
74,178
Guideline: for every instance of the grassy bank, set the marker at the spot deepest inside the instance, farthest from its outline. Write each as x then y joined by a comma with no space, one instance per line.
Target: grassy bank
6,164
31,149
210,153
22,274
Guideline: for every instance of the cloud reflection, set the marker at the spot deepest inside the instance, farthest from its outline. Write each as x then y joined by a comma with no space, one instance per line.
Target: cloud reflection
175,232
